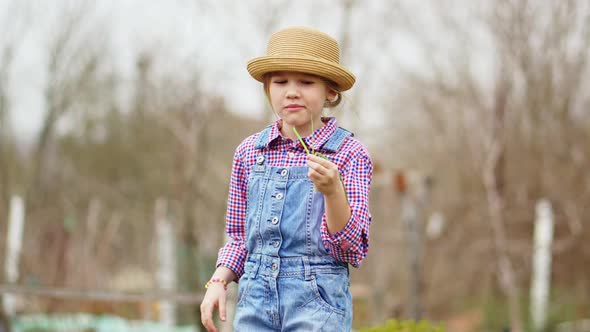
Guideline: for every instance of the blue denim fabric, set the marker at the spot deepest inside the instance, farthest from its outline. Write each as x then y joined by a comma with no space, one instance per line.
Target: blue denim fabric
290,283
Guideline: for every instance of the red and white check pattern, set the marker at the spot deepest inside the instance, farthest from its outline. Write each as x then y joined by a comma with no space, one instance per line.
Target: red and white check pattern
350,244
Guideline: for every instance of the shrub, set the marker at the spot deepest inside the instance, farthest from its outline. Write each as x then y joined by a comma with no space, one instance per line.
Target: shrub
405,326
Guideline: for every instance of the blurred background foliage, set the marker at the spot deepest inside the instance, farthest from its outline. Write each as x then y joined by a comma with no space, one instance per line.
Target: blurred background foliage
483,106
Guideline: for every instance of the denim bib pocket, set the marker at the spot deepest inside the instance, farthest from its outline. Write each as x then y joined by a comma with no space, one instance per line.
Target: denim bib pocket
330,292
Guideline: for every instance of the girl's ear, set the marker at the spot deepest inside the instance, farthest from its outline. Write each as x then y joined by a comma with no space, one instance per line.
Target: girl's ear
331,94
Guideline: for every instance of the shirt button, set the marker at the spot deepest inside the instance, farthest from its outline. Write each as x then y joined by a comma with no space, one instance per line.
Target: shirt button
291,154
276,244
260,160
274,266
279,196
284,172
275,220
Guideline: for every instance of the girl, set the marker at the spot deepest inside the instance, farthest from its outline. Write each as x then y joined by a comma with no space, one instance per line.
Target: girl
298,206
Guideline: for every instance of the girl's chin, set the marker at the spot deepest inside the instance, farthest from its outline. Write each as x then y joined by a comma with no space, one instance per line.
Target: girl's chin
294,120
295,123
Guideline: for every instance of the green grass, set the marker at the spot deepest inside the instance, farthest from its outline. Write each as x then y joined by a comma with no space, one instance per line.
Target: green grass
563,306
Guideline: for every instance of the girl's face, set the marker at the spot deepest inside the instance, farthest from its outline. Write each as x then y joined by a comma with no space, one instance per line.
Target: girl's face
296,97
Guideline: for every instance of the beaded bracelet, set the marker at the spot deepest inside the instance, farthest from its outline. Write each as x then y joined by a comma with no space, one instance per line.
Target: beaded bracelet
219,280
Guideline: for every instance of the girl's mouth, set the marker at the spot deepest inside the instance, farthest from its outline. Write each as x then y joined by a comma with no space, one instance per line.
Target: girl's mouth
293,107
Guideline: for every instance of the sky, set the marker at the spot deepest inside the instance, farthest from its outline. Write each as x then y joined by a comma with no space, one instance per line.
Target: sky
173,27
220,36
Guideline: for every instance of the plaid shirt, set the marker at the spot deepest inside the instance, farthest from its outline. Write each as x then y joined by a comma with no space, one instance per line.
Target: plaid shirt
351,243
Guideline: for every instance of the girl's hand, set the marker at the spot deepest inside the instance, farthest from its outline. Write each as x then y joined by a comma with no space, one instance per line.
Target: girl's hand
324,174
214,297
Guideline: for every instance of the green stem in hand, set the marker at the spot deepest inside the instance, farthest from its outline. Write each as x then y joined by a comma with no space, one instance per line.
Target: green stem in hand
312,140
319,154
300,140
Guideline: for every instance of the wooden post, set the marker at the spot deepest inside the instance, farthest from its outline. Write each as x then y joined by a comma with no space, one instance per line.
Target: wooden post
541,278
414,251
13,249
166,260
89,256
412,202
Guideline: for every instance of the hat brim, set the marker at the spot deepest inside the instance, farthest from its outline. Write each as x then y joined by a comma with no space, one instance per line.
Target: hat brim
257,67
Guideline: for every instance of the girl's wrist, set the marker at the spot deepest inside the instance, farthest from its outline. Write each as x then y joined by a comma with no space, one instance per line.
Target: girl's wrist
337,189
219,281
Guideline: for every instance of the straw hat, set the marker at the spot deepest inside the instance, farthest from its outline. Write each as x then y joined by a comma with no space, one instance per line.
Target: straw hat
303,50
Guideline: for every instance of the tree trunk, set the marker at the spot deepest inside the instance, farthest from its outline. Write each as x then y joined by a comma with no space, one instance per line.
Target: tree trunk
493,176
5,184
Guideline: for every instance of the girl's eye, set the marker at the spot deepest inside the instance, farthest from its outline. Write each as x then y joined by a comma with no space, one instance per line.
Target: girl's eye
280,81
307,82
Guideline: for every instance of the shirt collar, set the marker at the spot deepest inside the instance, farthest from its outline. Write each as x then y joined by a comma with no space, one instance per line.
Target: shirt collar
320,135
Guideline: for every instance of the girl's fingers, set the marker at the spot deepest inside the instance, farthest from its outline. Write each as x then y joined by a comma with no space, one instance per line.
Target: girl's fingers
204,317
207,316
222,308
210,326
316,167
314,176
319,179
323,173
324,162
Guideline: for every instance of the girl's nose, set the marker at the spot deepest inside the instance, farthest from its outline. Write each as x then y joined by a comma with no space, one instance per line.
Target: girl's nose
292,92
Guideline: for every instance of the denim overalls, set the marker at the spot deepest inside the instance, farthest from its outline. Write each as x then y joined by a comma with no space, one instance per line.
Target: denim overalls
290,282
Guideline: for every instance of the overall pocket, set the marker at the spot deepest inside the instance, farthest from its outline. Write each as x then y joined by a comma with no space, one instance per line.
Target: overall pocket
243,288
244,282
331,291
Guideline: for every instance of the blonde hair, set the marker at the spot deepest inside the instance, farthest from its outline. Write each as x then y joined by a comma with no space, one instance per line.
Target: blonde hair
331,85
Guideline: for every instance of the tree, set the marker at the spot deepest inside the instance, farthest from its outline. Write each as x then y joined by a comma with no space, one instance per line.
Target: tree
500,107
72,62
15,17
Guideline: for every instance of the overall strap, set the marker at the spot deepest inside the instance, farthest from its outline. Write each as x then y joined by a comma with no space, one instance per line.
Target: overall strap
262,141
336,140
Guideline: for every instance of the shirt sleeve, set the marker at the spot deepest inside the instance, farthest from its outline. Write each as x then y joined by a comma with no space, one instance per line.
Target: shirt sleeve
351,244
233,254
